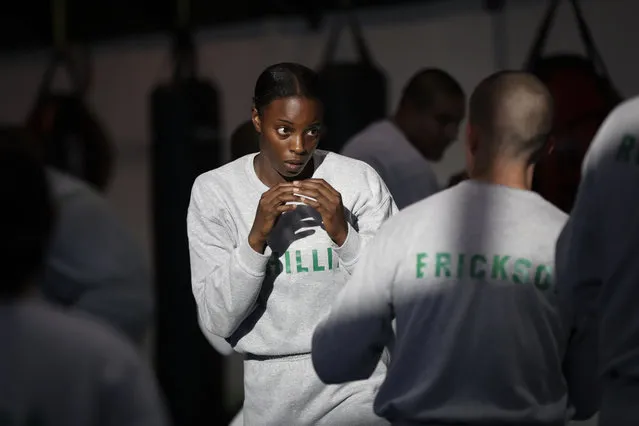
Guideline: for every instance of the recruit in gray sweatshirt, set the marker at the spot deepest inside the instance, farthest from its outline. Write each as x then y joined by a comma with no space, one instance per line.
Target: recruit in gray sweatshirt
66,369
598,253
267,305
468,276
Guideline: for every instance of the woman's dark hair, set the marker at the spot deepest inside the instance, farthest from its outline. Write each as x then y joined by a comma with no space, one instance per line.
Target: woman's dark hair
284,80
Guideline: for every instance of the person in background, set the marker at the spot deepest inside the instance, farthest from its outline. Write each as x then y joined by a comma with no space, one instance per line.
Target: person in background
597,260
273,237
56,367
481,336
95,265
402,148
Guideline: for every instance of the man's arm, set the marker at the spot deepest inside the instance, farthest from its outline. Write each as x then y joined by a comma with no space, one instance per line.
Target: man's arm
129,394
578,299
97,267
578,285
348,344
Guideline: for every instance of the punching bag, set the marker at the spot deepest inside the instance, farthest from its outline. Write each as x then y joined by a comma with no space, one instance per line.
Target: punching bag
583,94
72,138
355,93
185,128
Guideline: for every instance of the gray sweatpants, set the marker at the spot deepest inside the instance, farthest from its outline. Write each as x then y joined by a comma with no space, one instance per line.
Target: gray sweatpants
287,392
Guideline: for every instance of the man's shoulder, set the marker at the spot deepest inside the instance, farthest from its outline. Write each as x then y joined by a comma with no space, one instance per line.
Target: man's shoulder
427,212
549,216
373,138
617,140
71,191
349,171
334,160
625,114
78,335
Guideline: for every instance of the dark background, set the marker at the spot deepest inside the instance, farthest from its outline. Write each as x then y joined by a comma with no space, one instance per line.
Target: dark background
27,24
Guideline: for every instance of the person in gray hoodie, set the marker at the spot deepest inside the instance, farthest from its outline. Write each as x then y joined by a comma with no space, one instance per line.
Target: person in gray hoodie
273,237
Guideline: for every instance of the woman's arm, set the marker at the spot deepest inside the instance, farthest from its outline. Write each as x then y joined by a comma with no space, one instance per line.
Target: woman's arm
226,277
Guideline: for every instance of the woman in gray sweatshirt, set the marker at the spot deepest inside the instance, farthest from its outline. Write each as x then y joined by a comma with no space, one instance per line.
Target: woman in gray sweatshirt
273,238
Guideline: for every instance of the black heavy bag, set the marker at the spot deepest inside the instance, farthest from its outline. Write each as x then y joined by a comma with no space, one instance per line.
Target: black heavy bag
584,95
72,138
354,93
185,132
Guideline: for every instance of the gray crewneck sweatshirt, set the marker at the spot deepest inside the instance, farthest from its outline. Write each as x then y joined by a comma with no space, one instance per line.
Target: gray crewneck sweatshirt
598,251
94,264
65,369
267,305
480,340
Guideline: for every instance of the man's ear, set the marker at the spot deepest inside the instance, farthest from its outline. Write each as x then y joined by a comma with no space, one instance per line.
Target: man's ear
550,145
470,148
472,139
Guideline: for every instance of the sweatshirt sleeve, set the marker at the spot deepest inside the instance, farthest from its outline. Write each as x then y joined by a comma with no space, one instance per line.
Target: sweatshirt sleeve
130,395
226,276
348,344
378,207
96,266
578,286
220,344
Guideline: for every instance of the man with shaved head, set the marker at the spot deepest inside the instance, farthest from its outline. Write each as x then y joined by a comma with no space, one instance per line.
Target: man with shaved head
510,119
403,148
481,336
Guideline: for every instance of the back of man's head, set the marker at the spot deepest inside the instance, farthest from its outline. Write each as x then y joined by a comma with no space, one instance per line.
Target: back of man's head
27,215
510,118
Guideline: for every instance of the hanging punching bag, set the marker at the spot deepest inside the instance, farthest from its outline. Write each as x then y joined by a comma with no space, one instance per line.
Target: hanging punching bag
185,132
355,93
72,138
584,95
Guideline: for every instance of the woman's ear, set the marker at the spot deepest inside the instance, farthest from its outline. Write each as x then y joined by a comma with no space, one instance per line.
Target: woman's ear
256,119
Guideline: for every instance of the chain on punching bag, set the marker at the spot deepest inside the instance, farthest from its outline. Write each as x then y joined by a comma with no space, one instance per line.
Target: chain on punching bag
73,140
355,93
185,128
583,94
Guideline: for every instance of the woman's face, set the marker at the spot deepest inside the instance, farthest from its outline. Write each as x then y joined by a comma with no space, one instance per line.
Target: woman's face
289,130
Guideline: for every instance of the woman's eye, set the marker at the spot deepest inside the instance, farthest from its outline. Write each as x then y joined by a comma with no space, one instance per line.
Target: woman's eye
313,132
282,131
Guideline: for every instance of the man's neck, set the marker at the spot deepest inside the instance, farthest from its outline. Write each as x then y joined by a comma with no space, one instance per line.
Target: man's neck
399,122
511,175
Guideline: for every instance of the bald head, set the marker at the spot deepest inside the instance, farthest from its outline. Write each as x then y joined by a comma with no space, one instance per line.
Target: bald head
510,113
